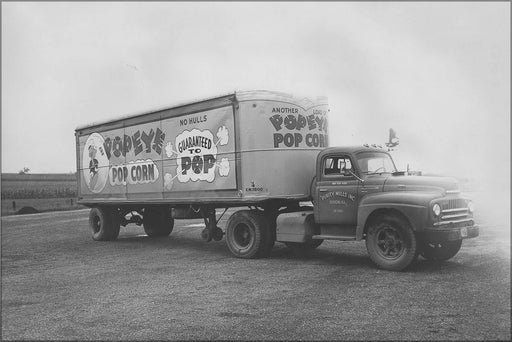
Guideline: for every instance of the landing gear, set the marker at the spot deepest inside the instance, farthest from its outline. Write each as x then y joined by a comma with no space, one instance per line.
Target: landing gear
215,235
211,232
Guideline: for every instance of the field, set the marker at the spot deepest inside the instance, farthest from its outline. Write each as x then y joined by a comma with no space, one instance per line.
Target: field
43,192
40,204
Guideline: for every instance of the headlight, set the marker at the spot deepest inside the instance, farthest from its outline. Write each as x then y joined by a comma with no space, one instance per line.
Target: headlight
471,206
436,209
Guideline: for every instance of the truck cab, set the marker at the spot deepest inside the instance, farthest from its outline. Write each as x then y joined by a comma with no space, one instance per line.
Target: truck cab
358,194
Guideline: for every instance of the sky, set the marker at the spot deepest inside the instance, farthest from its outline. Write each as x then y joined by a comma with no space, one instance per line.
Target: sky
437,73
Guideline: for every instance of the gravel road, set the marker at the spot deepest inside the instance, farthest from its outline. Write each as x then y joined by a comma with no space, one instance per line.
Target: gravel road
57,283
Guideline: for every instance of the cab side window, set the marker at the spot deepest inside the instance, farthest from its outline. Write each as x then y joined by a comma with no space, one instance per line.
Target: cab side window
338,166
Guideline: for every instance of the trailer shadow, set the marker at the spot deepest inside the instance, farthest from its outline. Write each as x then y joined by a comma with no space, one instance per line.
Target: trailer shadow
173,243
435,267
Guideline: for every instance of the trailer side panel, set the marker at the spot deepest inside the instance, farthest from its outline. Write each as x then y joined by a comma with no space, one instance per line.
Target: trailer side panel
243,148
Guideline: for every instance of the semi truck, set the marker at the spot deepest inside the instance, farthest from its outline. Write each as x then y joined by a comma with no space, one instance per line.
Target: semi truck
267,155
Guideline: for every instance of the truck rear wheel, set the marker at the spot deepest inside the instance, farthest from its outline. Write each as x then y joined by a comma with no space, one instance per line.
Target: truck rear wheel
391,243
247,234
157,221
104,224
440,251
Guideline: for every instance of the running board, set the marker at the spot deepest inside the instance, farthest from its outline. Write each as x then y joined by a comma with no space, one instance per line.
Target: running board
334,237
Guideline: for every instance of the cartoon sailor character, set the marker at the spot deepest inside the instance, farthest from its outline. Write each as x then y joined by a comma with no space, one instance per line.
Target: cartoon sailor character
93,166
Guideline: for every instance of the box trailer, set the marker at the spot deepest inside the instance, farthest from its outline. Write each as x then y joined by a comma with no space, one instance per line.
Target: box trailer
230,150
250,148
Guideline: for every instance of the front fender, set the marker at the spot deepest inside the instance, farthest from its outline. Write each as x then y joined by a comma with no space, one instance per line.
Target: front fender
412,205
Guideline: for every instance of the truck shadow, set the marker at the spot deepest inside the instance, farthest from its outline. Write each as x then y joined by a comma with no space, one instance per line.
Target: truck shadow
321,256
427,266
356,257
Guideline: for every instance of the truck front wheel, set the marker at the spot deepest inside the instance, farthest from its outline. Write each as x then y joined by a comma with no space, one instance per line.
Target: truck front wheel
247,234
391,243
157,221
104,224
440,251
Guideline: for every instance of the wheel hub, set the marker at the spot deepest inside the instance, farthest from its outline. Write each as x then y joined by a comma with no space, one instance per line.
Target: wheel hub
389,243
242,235
96,224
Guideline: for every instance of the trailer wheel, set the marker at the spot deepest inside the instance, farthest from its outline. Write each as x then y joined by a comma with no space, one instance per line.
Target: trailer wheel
440,251
391,243
104,224
247,234
157,221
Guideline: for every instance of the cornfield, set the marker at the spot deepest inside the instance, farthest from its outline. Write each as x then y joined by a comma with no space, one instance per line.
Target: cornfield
38,186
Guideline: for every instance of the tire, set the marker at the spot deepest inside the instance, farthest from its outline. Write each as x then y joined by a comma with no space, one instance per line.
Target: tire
304,246
440,251
157,221
104,224
391,243
247,234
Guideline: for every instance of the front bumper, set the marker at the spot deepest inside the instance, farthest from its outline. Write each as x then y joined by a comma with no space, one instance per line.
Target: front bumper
437,235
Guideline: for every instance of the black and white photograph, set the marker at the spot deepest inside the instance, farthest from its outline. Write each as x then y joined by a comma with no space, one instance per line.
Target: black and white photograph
255,171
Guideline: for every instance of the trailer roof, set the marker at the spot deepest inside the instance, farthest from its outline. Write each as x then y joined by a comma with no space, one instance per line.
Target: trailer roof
242,95
154,110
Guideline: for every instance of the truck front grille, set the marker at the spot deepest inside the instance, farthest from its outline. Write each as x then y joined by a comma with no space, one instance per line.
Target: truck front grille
453,204
454,213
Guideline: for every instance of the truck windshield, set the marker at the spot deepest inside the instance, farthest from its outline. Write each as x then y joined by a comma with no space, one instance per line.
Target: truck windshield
375,162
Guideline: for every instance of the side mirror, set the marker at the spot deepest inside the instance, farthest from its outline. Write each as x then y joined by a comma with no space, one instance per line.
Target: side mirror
347,172
351,173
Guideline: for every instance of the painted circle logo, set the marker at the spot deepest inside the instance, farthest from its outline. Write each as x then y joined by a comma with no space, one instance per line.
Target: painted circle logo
95,163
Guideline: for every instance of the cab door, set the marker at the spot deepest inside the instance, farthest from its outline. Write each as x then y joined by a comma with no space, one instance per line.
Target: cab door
337,191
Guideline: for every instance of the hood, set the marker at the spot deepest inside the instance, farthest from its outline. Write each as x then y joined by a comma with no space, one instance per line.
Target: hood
421,183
